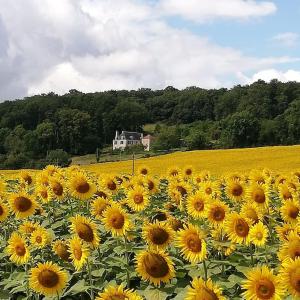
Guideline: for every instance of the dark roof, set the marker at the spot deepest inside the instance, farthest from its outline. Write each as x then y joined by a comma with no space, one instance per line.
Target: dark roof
131,135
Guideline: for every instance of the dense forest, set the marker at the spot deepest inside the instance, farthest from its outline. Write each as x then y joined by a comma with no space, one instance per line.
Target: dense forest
34,129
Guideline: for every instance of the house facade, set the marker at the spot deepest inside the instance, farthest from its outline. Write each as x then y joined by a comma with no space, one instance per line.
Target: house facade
128,138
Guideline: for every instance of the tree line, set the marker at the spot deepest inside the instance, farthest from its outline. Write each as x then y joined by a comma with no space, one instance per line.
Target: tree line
33,128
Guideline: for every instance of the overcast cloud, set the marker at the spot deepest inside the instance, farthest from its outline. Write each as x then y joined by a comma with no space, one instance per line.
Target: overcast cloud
94,45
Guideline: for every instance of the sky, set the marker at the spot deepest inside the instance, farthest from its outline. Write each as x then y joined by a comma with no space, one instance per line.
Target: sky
96,45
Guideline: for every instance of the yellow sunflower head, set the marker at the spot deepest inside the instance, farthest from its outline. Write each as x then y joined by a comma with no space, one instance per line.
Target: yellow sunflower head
116,220
191,242
291,247
48,279
188,171
118,293
151,184
173,172
262,284
79,252
235,189
197,205
60,248
290,276
137,198
286,192
40,238
257,177
237,228
284,230
86,229
210,188
17,249
28,227
98,206
221,241
158,234
258,195
204,290
81,186
216,213
43,193
258,234
251,212
290,211
26,177
155,266
57,187
143,170
109,184
22,205
4,211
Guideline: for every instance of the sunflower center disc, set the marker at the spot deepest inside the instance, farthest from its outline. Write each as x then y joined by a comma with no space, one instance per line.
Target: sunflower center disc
259,236
83,187
27,179
85,232
20,250
77,253
161,216
111,185
144,171
118,221
293,212
199,205
23,204
155,265
265,289
57,189
118,297
48,278
241,228
150,185
182,190
174,173
207,294
259,196
295,280
159,236
101,194
38,239
208,190
188,172
287,195
1,210
218,214
62,252
44,194
194,242
138,199
237,190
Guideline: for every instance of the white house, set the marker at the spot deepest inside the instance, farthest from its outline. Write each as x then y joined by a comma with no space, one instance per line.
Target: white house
127,139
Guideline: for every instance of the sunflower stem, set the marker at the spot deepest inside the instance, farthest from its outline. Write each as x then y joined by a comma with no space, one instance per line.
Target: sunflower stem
90,278
205,270
27,282
251,254
127,262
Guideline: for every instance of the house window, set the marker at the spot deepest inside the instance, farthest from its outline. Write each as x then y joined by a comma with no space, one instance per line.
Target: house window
121,142
116,142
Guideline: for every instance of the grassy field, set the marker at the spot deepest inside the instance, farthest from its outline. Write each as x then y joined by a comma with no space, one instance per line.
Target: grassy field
280,158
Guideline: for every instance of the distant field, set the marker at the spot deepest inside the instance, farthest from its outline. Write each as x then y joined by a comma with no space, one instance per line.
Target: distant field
280,158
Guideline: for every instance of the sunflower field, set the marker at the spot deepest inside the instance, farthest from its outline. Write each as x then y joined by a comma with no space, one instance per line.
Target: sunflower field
69,233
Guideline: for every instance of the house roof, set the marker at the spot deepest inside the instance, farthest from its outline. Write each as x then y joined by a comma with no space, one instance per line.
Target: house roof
128,135
148,137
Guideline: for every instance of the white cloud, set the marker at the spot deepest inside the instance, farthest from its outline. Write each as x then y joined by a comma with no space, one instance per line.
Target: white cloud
288,39
89,45
269,74
203,10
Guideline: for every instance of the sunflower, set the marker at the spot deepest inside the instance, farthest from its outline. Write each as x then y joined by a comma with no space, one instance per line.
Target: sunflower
173,172
191,242
118,292
158,234
86,229
143,170
237,228
290,211
284,230
57,186
258,234
109,184
28,227
196,205
48,279
235,190
17,249
262,284
101,194
43,193
4,211
2,187
216,213
81,187
52,170
155,266
60,248
98,206
257,194
221,242
151,184
210,188
180,188
188,171
290,248
290,276
40,237
204,290
285,192
116,220
22,205
257,177
251,212
79,252
137,198
25,177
